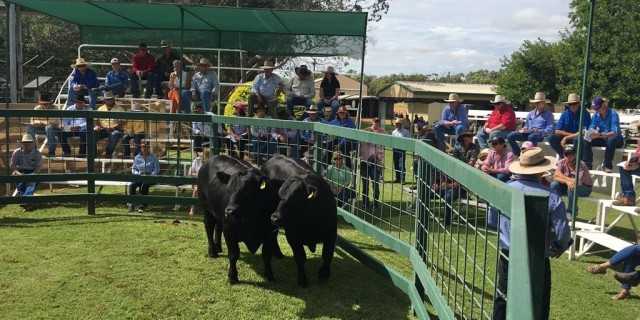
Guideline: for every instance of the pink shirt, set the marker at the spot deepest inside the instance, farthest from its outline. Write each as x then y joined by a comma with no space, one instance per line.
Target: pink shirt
367,150
499,161
584,176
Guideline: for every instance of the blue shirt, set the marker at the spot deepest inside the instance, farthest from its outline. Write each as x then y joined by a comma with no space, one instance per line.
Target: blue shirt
557,217
542,121
610,123
569,122
89,78
347,123
460,115
76,122
149,166
114,78
266,87
307,134
205,82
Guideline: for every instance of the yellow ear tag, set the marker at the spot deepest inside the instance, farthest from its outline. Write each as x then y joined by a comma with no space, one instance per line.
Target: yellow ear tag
263,185
311,195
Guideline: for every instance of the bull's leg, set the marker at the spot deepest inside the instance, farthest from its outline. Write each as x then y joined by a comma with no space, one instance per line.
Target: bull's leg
209,226
217,237
328,247
273,241
267,253
300,257
234,254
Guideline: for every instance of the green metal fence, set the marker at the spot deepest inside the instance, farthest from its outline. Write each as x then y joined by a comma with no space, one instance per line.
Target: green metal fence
445,266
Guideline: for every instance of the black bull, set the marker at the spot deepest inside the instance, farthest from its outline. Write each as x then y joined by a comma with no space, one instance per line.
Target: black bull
307,211
238,200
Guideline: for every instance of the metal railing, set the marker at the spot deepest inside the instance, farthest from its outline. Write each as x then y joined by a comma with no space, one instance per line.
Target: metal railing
436,223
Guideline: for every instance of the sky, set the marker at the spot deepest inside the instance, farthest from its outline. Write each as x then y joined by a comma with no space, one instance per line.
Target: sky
441,36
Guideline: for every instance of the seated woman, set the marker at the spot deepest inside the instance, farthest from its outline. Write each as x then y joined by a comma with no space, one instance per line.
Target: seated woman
340,178
145,163
630,259
179,88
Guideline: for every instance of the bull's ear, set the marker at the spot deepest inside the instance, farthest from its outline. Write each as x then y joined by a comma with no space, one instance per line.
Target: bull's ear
223,177
313,192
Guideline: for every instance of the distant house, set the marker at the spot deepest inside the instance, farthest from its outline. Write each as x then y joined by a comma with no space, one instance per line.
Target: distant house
427,98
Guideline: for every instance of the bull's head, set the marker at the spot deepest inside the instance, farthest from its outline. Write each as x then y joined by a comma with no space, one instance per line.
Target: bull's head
296,197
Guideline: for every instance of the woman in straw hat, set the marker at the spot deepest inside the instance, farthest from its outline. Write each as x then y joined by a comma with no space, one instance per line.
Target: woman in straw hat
84,81
530,168
329,92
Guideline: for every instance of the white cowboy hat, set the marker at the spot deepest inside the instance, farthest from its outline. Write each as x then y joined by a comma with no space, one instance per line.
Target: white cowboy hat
313,109
267,65
540,96
573,98
81,62
26,138
136,107
204,61
399,120
108,95
499,99
483,154
164,44
453,97
532,161
330,70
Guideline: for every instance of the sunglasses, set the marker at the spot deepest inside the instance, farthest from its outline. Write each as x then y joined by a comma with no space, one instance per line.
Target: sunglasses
495,143
570,154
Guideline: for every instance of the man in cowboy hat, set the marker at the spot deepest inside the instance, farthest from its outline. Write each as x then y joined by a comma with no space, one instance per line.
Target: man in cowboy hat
24,161
604,131
75,127
108,127
300,89
264,88
117,80
307,137
84,81
529,169
143,65
43,125
399,154
260,136
537,126
501,122
567,126
204,84
498,160
329,92
630,168
564,179
454,119
164,66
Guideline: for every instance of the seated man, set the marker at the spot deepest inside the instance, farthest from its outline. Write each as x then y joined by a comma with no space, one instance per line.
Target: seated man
329,93
538,125
630,168
201,130
204,84
567,127
307,137
300,89
260,136
26,160
117,80
75,127
501,122
285,137
264,88
164,66
109,128
454,119
145,163
341,179
143,65
564,179
604,131
45,126
498,160
341,143
135,130
84,81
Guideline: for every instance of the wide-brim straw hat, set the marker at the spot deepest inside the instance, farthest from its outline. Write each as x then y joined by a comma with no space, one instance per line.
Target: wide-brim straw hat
573,98
26,138
634,123
204,61
313,109
532,161
453,97
267,65
108,95
540,96
499,99
81,62
483,154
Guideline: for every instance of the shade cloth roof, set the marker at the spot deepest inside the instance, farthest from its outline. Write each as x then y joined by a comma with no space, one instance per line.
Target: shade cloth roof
256,30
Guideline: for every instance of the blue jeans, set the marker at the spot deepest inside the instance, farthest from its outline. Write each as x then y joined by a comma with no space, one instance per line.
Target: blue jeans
262,147
126,146
205,98
370,172
582,190
295,101
554,141
71,97
626,183
398,164
517,136
334,108
117,89
630,258
52,131
64,135
610,144
441,130
483,137
114,136
185,101
26,188
450,195
135,88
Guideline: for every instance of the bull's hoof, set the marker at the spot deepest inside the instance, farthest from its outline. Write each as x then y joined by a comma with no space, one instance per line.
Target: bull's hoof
324,273
219,248
213,254
270,277
232,281
303,281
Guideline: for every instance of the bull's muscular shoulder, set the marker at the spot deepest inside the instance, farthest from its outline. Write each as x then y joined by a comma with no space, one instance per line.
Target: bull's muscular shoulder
281,167
229,165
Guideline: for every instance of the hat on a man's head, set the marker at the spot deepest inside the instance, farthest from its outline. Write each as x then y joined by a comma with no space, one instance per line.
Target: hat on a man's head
81,97
453,97
532,161
44,98
136,107
81,62
164,44
499,99
240,105
195,106
330,70
399,120
466,133
26,138
597,103
304,70
108,95
498,139
142,45
573,98
569,150
204,61
313,109
267,65
540,97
